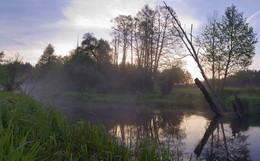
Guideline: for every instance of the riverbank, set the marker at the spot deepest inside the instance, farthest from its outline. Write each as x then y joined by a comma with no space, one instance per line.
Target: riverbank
179,98
249,97
32,131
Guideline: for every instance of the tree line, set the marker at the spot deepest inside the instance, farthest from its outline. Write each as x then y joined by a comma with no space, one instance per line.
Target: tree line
88,68
135,58
144,38
225,45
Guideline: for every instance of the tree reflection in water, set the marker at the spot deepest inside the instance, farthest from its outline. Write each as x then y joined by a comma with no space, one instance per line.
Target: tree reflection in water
160,126
223,143
181,128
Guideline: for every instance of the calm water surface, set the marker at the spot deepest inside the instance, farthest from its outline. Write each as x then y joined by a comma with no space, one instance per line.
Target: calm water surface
195,132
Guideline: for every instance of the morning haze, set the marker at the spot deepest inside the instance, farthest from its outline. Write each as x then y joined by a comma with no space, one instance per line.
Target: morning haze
121,80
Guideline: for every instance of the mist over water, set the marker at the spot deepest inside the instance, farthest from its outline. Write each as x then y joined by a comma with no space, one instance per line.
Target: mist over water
137,86
184,130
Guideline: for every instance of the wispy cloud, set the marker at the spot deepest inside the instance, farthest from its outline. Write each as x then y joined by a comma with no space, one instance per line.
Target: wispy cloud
84,14
24,24
90,16
27,26
95,16
8,43
253,16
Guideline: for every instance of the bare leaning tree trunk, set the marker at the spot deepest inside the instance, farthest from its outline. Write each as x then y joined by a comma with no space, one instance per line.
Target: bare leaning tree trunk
188,43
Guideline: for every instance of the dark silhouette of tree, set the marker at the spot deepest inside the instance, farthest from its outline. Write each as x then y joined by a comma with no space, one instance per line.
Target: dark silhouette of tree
123,33
79,71
103,50
46,61
243,79
98,50
170,77
1,56
115,43
146,35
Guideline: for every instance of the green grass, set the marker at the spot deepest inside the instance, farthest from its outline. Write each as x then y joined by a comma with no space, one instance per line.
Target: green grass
249,97
31,131
178,98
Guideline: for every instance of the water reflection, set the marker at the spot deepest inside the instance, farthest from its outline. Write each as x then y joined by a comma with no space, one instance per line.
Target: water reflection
159,126
221,143
208,137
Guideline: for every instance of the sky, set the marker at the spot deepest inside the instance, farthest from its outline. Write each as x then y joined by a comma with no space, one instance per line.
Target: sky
28,26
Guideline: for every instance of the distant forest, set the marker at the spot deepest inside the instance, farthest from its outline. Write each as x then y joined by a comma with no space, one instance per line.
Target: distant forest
145,55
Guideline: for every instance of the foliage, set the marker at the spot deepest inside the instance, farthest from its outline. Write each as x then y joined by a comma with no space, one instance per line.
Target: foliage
229,44
135,79
239,41
78,71
244,79
4,76
98,50
47,62
13,74
170,77
89,67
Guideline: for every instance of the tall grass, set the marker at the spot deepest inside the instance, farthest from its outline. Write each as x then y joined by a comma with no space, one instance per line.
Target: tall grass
31,131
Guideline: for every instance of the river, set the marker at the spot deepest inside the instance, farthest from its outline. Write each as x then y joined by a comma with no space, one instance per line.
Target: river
185,130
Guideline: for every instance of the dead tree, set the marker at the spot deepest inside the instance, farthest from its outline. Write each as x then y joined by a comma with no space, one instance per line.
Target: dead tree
192,52
207,97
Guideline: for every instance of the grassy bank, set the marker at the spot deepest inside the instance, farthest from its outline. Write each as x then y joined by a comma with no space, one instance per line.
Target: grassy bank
30,131
249,97
178,98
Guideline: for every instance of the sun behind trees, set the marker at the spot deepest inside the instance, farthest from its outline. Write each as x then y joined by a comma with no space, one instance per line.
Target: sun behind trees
136,58
138,89
147,37
89,68
95,66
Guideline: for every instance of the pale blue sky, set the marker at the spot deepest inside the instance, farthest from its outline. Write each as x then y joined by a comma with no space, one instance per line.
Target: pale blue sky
27,26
